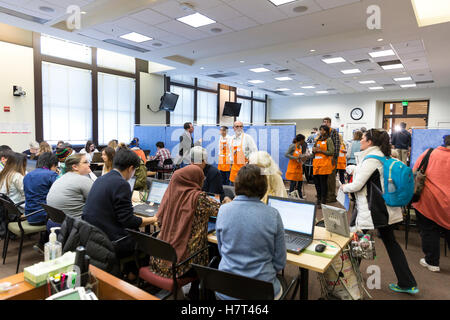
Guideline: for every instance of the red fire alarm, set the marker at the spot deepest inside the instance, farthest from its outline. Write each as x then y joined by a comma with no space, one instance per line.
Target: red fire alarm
6,109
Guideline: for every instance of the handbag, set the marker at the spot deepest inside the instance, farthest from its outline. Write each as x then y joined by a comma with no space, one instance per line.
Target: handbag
420,176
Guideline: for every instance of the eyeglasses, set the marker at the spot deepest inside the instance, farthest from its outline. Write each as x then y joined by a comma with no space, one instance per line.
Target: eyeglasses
238,126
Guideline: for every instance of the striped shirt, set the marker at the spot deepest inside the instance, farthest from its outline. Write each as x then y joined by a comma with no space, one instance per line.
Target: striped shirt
162,155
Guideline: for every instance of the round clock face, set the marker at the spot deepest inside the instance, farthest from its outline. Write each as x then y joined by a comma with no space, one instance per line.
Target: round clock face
357,114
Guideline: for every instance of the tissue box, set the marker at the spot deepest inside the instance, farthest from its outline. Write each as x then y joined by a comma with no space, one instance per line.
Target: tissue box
38,273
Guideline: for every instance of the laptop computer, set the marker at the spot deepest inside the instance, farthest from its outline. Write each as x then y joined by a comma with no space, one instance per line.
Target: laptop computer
97,157
298,218
132,182
157,190
336,220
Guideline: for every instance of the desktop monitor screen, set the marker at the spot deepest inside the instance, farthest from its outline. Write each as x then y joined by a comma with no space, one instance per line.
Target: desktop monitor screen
232,109
168,101
157,191
297,216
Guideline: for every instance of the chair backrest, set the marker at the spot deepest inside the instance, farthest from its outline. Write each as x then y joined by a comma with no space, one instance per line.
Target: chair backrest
10,208
229,191
234,285
154,247
168,162
54,214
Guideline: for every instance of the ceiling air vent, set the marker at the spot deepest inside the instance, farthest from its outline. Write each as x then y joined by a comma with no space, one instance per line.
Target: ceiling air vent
425,82
222,75
363,61
282,70
126,45
23,16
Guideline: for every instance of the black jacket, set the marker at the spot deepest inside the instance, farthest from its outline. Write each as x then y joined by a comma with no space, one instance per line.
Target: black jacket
76,232
213,181
109,208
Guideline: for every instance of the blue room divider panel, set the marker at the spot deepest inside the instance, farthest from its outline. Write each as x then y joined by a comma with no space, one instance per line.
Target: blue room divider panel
149,136
422,139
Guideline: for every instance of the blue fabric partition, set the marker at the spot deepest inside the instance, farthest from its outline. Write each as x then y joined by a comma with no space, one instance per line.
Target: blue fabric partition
273,139
422,139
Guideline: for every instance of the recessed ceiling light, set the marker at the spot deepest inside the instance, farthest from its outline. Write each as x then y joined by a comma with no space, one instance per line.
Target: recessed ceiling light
259,70
381,39
202,68
280,2
216,30
300,9
384,53
321,92
298,94
282,89
367,82
83,12
196,20
256,81
412,85
157,44
242,61
46,9
283,79
403,79
351,71
312,50
376,88
427,14
393,66
334,60
308,87
135,37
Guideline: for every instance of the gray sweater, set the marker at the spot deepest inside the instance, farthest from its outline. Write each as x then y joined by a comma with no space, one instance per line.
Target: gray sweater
69,193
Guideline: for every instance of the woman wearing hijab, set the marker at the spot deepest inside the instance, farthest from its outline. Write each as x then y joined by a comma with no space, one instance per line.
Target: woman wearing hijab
183,218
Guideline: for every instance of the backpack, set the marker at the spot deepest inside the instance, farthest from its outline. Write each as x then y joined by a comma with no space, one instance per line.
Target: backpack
141,177
398,181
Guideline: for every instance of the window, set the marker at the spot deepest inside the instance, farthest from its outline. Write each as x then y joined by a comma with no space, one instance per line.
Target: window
259,95
206,84
206,108
65,49
243,92
116,61
259,112
67,104
245,114
183,79
184,110
116,106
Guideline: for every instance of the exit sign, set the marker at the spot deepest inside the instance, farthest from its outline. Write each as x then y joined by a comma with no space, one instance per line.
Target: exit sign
6,109
405,103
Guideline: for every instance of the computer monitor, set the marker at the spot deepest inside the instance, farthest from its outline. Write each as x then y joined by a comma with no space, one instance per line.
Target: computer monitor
157,191
232,109
168,101
297,215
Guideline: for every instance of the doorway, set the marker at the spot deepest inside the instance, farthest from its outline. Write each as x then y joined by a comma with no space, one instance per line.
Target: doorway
413,113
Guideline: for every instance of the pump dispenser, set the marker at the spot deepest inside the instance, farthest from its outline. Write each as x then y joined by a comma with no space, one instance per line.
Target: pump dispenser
53,248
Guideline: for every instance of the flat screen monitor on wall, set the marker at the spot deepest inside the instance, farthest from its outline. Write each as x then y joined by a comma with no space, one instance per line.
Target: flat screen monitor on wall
168,101
232,109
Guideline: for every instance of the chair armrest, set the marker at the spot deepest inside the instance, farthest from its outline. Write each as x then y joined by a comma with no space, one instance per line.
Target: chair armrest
191,257
19,203
213,262
115,242
283,296
24,217
155,234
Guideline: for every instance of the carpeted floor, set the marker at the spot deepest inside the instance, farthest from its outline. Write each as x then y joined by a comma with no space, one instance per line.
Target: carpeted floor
433,286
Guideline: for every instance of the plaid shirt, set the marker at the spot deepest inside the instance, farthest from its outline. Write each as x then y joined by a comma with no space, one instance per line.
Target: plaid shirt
162,155
336,141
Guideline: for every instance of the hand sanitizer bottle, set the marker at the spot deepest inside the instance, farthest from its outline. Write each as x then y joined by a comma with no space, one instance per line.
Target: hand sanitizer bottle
52,248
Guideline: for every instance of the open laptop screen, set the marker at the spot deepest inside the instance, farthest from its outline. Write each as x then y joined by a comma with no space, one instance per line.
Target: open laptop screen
132,181
157,191
297,216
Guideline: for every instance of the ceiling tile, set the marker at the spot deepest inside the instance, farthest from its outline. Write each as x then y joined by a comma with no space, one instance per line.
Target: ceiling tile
211,27
150,17
95,34
202,4
264,16
310,4
111,29
328,4
247,7
184,30
221,13
171,9
240,23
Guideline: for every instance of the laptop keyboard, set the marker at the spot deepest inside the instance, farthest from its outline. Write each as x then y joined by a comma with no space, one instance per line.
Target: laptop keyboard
145,210
295,241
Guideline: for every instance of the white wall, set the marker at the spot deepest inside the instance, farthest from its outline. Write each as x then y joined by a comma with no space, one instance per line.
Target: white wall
152,88
16,65
371,102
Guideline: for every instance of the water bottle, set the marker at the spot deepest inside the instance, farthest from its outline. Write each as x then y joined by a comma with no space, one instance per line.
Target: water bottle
391,186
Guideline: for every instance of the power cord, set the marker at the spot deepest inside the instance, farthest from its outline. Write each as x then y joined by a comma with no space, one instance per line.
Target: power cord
340,274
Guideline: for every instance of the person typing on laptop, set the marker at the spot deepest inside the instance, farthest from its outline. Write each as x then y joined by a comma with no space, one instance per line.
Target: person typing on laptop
250,234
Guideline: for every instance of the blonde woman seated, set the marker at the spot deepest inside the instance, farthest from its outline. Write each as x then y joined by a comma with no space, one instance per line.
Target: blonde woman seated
275,184
108,156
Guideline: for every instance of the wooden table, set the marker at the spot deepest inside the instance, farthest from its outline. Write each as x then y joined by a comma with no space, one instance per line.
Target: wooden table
308,260
109,288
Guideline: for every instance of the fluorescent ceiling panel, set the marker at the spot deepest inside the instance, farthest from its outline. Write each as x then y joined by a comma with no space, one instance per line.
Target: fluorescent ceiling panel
135,37
259,70
431,12
392,66
283,79
403,79
385,53
280,2
283,89
256,81
298,94
334,60
408,85
376,88
367,82
321,92
308,87
351,71
196,20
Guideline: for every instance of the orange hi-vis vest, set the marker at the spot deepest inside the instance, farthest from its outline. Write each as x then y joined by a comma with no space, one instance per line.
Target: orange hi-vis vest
224,155
342,160
322,163
294,170
239,159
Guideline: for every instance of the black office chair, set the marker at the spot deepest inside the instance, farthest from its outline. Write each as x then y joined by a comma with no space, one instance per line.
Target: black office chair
18,226
162,173
156,248
56,215
236,286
